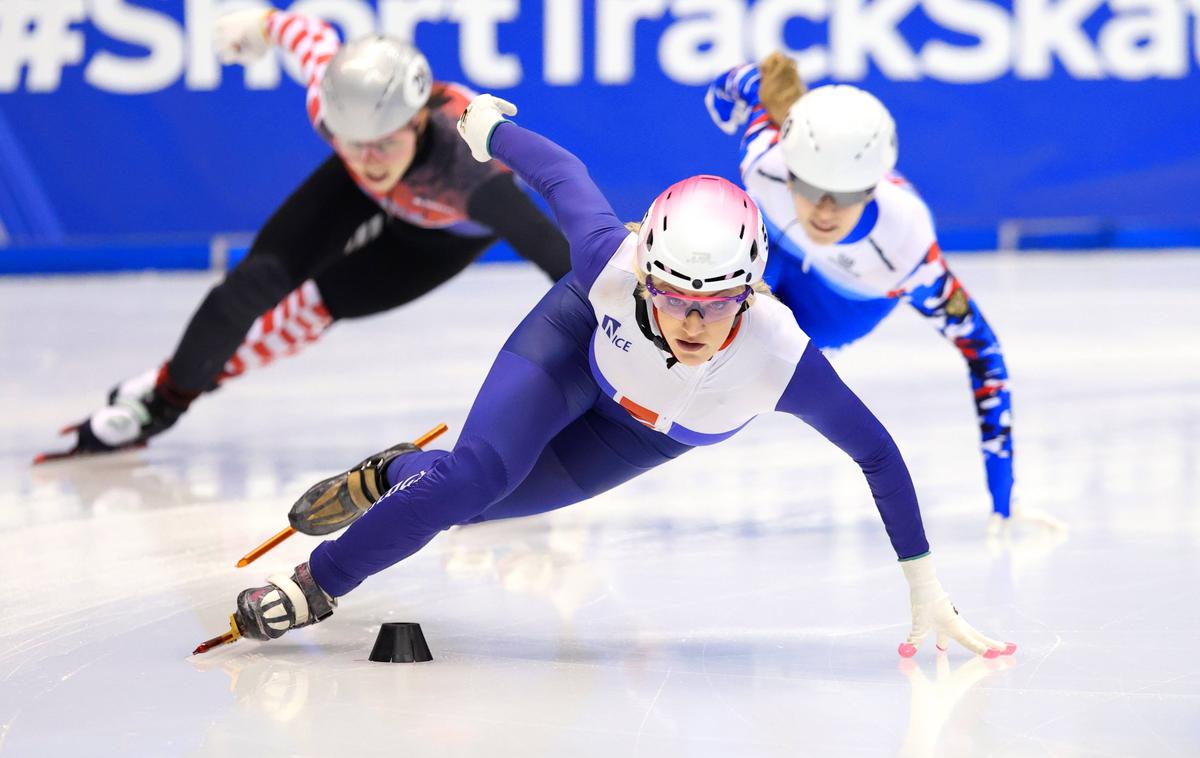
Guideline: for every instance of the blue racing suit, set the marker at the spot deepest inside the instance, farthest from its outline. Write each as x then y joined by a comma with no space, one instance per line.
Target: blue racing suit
570,409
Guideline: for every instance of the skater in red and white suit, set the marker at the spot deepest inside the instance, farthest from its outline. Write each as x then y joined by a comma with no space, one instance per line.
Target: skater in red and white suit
398,209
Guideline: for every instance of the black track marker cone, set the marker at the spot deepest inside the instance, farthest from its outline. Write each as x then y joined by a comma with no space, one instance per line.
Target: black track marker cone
400,642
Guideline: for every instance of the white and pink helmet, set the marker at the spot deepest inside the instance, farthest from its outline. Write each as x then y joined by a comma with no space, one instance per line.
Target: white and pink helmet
703,234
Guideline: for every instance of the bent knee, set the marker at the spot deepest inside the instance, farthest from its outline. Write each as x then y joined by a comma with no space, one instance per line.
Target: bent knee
462,485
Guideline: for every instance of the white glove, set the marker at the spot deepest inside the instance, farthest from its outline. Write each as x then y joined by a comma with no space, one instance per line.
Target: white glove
933,611
739,110
241,36
479,120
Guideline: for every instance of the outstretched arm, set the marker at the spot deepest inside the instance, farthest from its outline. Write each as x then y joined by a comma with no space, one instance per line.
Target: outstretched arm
245,36
583,213
817,395
934,291
309,42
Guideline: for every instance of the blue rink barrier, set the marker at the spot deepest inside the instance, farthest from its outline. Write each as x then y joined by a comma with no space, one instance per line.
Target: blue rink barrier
115,256
1055,110
102,257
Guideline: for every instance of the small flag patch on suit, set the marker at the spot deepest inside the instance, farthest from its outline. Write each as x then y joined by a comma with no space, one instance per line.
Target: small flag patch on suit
641,413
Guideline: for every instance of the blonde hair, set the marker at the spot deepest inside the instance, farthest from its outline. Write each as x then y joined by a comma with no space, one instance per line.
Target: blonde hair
780,86
760,287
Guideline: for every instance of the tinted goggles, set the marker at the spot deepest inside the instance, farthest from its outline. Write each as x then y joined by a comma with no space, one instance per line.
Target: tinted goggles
678,306
386,147
815,194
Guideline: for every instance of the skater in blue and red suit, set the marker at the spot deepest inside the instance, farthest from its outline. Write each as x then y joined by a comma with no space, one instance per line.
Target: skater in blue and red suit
853,239
658,341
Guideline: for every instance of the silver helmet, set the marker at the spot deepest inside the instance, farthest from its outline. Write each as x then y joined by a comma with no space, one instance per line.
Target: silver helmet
373,86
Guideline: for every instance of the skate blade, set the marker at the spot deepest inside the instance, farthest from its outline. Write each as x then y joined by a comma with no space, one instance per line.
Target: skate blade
52,456
222,639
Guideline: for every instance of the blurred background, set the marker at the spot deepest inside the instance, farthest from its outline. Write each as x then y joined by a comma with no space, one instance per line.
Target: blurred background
1034,124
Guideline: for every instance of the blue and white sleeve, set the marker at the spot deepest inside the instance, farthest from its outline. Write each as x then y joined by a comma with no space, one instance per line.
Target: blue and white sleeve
583,213
732,101
817,395
938,295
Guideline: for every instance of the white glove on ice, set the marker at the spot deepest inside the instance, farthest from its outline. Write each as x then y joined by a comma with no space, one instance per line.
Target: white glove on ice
241,36
933,611
479,120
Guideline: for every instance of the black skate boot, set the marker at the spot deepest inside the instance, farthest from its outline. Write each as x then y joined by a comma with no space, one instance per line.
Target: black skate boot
138,409
338,501
265,613
154,399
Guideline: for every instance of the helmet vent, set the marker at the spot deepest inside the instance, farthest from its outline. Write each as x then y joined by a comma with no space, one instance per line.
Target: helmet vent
754,251
734,275
650,239
674,273
664,222
870,141
742,233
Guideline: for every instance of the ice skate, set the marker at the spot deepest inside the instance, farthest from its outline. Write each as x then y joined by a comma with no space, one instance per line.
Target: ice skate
136,411
336,502
265,613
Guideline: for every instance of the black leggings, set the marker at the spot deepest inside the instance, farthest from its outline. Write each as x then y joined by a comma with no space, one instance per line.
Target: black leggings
328,230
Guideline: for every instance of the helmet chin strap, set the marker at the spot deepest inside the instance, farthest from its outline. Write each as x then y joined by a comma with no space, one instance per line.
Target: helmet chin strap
642,316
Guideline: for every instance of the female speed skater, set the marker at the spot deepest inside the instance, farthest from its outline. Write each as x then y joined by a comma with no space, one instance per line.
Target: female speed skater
658,341
398,209
853,238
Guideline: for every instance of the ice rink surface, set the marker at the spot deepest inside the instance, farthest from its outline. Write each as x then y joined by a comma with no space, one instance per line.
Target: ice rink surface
740,601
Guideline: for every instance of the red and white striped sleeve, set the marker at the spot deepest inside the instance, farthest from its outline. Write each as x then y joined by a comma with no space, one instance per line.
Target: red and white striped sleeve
310,43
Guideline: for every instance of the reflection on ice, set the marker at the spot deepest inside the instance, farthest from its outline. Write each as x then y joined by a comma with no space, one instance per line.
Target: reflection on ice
936,702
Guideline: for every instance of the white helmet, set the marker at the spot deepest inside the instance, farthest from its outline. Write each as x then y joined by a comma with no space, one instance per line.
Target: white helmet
373,86
839,138
703,234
